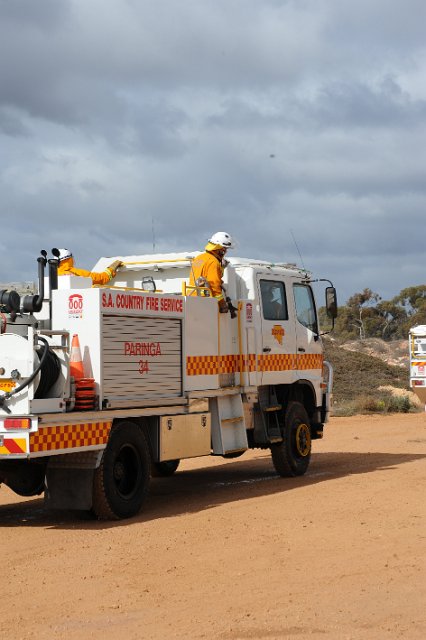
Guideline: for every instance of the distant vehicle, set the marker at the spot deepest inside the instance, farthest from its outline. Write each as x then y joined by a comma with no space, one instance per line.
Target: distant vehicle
417,347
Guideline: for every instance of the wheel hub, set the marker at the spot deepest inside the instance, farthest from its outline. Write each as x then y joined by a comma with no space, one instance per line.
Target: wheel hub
303,440
119,470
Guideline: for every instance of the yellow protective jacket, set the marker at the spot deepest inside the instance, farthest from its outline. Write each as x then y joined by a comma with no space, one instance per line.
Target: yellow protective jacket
66,268
208,266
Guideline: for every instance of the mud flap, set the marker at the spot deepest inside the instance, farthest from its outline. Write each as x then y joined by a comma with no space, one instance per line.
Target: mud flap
69,489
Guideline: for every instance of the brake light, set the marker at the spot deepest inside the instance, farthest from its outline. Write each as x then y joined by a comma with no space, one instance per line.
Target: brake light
17,423
418,383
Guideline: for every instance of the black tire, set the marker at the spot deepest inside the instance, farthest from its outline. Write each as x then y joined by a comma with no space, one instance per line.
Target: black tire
164,469
291,457
233,454
121,482
28,479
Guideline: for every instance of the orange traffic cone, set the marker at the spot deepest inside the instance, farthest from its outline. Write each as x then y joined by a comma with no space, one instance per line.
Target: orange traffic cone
85,394
76,362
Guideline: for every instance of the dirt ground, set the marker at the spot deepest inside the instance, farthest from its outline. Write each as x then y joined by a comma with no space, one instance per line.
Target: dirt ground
227,550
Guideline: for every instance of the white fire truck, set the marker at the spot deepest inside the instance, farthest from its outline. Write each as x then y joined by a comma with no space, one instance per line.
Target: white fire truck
417,346
173,378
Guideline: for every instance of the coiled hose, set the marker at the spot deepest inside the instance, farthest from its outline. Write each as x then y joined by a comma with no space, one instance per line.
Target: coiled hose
41,365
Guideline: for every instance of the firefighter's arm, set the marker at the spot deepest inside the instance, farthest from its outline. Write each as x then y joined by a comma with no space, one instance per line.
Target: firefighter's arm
100,278
107,275
97,278
113,267
214,277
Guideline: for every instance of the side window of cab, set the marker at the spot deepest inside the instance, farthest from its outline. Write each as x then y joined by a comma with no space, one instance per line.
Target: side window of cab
305,307
274,301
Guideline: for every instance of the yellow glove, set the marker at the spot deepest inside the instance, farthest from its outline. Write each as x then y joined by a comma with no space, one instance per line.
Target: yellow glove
115,265
112,268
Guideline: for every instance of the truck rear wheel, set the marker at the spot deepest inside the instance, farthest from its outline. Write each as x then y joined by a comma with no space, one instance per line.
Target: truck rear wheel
26,479
121,482
291,457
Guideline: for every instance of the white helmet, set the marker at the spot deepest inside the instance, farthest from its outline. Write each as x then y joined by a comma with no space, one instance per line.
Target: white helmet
223,239
64,254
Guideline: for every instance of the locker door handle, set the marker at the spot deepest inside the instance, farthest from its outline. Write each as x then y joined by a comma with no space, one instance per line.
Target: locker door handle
265,349
301,349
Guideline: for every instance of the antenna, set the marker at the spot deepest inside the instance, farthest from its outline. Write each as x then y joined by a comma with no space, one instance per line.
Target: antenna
153,235
298,250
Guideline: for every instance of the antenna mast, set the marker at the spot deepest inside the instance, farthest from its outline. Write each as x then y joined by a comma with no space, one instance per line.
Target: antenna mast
298,250
153,235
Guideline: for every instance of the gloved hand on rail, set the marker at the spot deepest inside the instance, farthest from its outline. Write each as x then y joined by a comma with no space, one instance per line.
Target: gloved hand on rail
232,310
113,268
223,306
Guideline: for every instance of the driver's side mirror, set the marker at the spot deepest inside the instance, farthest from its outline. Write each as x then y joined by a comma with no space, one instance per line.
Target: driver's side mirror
331,302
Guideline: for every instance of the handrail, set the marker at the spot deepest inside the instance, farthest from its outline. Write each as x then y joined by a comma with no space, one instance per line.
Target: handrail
171,260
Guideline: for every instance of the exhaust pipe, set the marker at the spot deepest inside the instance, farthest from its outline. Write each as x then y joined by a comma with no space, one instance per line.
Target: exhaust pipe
53,271
32,304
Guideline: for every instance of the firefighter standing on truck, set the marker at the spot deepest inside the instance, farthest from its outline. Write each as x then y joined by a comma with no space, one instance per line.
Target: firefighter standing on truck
207,269
67,268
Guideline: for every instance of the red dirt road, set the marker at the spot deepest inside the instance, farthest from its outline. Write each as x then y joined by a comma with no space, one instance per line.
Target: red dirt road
227,550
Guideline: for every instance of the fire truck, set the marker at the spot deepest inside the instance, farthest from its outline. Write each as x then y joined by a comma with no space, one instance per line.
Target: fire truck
167,377
417,349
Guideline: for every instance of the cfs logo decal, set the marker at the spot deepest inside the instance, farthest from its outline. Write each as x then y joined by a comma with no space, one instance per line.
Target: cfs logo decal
278,333
75,306
249,312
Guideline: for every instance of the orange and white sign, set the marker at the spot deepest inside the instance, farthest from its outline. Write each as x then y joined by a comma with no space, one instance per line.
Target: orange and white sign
278,332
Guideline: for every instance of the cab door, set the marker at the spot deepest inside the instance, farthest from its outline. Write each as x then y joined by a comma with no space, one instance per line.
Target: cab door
309,345
277,360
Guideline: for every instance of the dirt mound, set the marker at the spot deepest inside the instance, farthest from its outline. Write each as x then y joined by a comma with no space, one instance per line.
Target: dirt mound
394,353
357,372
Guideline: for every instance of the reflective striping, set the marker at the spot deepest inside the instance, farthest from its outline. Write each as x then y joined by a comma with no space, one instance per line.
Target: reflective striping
13,446
70,436
310,361
213,365
202,366
248,362
277,362
228,364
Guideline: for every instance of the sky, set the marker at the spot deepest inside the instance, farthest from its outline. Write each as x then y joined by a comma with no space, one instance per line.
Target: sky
297,126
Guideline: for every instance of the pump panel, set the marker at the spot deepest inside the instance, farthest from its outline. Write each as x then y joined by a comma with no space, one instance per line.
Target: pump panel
141,359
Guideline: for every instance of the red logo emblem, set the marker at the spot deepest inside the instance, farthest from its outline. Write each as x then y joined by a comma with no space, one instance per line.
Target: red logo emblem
75,306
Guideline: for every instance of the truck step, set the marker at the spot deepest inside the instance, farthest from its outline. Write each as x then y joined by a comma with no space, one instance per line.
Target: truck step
226,421
274,433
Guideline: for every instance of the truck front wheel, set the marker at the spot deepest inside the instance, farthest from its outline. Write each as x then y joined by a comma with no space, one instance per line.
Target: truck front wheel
164,469
121,482
291,457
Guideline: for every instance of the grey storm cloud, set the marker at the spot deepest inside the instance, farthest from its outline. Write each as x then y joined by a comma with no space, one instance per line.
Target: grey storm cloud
297,126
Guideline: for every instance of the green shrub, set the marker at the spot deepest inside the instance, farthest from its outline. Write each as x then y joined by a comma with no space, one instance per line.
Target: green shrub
381,403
